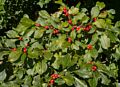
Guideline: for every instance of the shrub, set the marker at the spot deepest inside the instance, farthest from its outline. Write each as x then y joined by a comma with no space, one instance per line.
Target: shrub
71,47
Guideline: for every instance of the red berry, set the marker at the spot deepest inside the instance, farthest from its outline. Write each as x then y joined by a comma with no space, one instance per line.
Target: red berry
20,38
37,25
70,21
78,28
94,19
52,81
72,28
55,76
64,10
14,49
56,31
24,49
94,68
87,28
89,47
46,27
69,40
66,14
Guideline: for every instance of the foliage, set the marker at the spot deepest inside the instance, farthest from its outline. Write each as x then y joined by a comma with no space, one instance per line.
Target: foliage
11,11
71,47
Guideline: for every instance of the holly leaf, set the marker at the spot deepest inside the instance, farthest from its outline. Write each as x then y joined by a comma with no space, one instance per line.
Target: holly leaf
3,75
93,82
105,41
39,33
73,35
79,83
95,11
12,34
47,55
100,23
101,5
40,67
14,55
44,14
68,78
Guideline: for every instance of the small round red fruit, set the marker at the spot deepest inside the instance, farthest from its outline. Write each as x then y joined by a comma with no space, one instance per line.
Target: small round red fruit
66,14
70,21
94,68
20,38
37,25
69,40
78,28
64,10
14,49
89,47
46,27
52,81
94,19
55,76
56,31
25,50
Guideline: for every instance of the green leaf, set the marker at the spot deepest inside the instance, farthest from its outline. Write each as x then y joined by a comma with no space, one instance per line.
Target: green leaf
84,73
105,79
73,35
20,73
79,83
69,79
85,19
100,23
2,54
94,53
3,75
28,80
12,34
60,81
47,55
44,14
105,41
101,5
94,39
111,11
37,45
39,33
41,21
40,67
74,46
103,68
103,14
65,61
14,55
10,43
26,22
57,61
117,24
95,11
33,53
30,72
93,82
73,10
37,81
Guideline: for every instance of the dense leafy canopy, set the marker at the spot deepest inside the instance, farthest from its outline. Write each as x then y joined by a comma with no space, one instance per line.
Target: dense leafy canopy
71,47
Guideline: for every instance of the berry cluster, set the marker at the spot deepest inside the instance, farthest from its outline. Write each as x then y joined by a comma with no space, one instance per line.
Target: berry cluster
65,12
53,77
